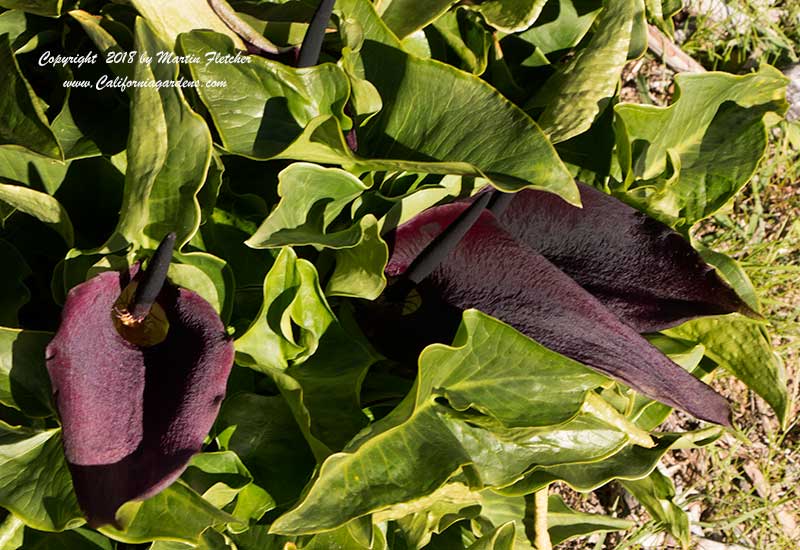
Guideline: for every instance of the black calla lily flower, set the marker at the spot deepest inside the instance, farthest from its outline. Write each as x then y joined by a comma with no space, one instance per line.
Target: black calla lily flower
583,282
138,368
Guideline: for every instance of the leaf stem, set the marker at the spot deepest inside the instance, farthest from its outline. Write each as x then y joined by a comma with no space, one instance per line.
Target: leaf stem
247,33
542,541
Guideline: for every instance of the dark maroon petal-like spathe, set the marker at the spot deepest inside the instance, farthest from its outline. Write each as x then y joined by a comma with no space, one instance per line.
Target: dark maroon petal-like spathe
643,271
491,271
133,416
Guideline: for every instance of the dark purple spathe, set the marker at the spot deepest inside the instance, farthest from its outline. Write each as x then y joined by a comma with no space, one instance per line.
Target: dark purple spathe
643,271
493,271
133,416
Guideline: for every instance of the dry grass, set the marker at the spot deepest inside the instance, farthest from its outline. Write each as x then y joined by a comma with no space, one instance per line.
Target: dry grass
738,494
753,496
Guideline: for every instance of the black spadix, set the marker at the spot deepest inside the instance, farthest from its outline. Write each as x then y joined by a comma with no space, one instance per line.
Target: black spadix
136,315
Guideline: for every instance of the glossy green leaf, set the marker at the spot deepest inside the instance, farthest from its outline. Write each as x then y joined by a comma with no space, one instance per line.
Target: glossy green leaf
293,300
562,25
209,193
13,22
170,545
177,514
743,348
105,42
347,537
404,17
41,494
218,476
23,35
517,382
591,154
364,21
572,97
682,163
207,275
564,523
168,155
409,205
324,391
265,106
41,206
657,493
670,8
24,383
371,481
433,515
632,462
475,375
511,15
265,436
343,537
600,408
169,18
498,510
13,292
501,538
639,32
251,505
304,110
222,478
365,101
76,539
22,119
464,31
312,197
281,22
35,483
456,108
503,455
418,45
11,533
22,166
359,271
311,440
660,12
74,142
47,8
732,272
258,538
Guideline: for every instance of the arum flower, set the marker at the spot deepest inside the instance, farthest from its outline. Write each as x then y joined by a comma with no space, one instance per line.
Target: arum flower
583,282
138,368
